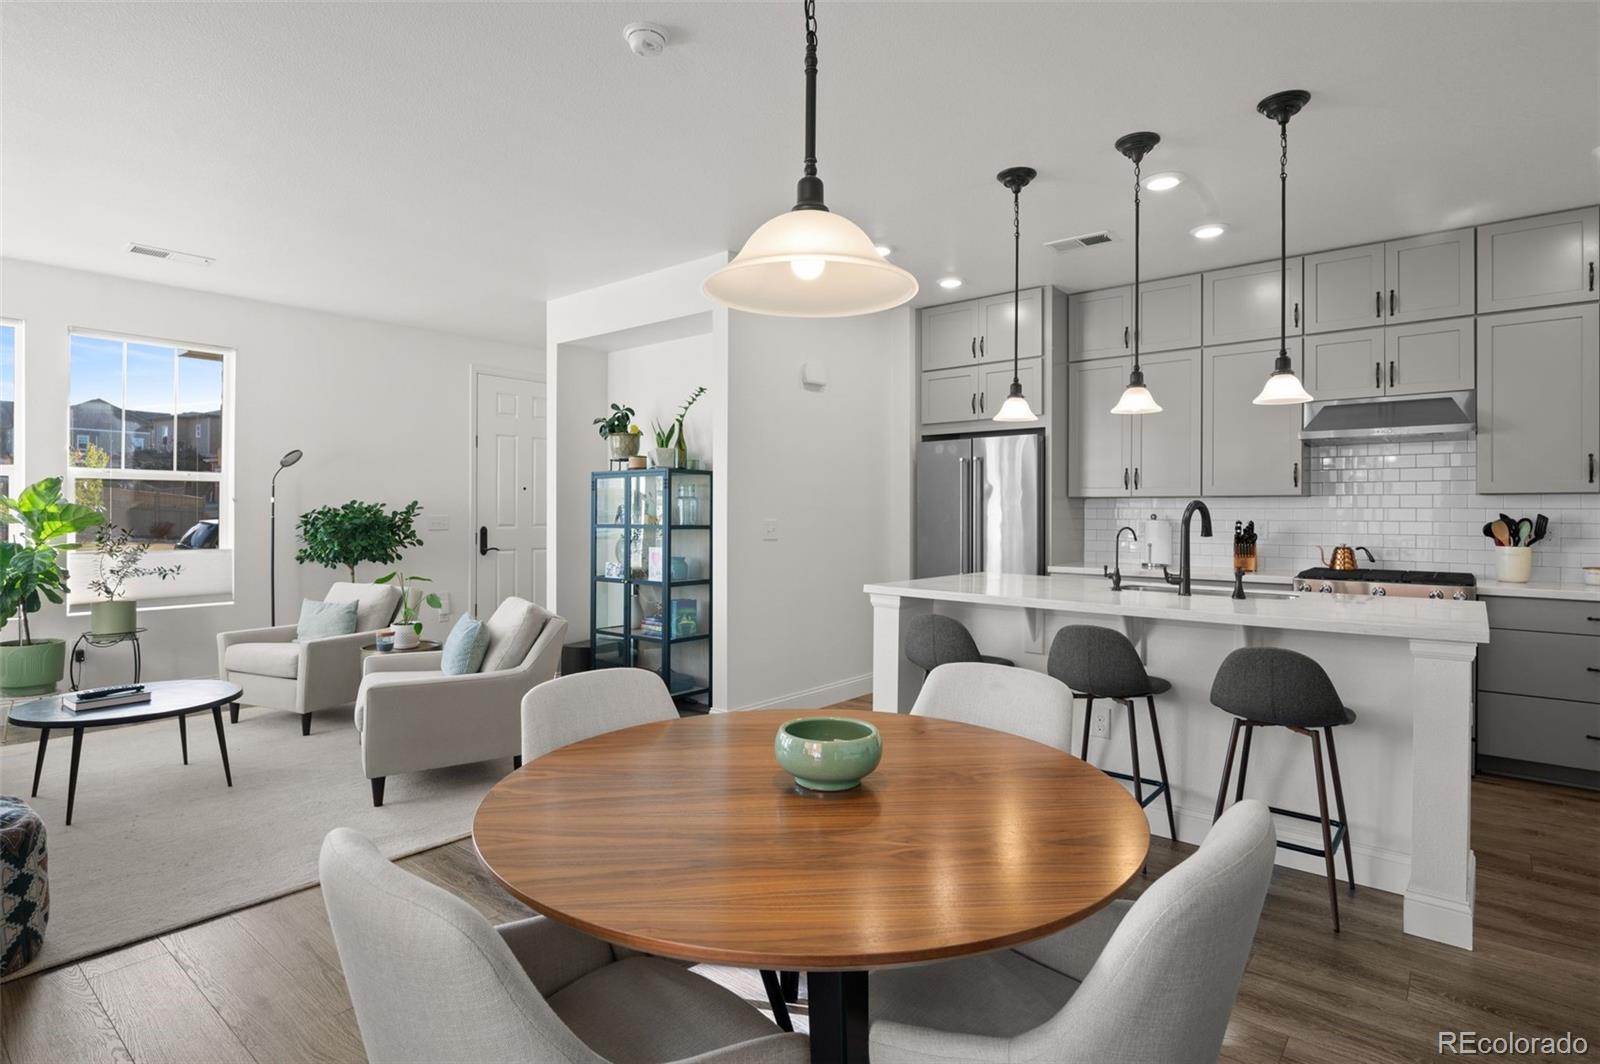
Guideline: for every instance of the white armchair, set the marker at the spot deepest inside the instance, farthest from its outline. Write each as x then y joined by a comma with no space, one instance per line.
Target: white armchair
411,716
276,670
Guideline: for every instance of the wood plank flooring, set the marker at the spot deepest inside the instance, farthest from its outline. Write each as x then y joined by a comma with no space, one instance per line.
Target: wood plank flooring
264,986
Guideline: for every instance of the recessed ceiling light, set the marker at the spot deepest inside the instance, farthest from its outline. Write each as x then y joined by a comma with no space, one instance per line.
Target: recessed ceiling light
1209,231
1163,182
949,282
883,249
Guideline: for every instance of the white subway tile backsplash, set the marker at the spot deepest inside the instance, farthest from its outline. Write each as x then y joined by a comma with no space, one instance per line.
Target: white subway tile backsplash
1414,505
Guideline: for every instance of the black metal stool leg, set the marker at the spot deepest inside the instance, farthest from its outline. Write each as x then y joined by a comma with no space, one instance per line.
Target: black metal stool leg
1133,746
1088,716
1327,833
1244,759
1161,763
1338,801
1227,770
780,1007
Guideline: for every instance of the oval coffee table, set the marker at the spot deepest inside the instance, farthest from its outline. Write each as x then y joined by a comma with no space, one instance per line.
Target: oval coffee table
684,838
168,698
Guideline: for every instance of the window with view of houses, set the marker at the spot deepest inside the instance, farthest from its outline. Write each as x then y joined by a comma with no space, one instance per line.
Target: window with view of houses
9,335
145,435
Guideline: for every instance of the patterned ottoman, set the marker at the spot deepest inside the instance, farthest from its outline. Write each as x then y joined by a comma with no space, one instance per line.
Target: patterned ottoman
24,884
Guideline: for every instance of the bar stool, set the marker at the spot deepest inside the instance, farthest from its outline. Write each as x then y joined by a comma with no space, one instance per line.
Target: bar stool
1100,662
933,640
1268,687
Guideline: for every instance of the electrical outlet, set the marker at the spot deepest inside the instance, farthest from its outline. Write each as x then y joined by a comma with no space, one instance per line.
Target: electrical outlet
769,528
1100,725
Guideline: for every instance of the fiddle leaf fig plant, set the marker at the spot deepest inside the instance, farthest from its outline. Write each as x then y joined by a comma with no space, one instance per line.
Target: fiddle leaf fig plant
30,564
345,536
412,598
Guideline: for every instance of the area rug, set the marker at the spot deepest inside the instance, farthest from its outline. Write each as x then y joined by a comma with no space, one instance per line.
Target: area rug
156,844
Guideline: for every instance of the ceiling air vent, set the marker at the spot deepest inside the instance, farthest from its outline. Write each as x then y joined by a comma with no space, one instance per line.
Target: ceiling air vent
1082,240
153,252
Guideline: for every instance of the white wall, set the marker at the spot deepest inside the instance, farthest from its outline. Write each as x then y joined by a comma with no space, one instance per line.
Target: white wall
380,410
656,378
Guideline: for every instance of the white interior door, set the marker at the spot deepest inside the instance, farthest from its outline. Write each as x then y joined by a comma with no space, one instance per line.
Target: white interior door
510,523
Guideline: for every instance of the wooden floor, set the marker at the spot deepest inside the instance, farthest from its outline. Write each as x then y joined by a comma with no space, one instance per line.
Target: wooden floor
264,985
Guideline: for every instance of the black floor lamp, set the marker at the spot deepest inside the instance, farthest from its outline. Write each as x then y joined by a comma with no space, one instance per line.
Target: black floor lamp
272,536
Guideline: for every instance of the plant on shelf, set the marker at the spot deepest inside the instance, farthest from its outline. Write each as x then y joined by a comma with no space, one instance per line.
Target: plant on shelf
683,437
411,600
30,574
664,453
120,557
345,536
619,432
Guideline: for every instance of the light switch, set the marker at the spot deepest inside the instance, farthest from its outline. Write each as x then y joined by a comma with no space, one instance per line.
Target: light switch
769,528
440,523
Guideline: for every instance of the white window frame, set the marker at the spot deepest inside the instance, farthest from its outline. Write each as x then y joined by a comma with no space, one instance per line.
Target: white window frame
223,479
13,472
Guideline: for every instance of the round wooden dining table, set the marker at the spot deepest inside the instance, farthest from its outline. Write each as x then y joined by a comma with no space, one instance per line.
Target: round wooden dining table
685,839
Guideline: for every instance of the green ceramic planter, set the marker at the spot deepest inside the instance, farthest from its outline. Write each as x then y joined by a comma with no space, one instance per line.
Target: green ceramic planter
113,617
35,669
828,753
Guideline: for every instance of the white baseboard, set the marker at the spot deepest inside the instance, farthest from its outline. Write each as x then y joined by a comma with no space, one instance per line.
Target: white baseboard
814,697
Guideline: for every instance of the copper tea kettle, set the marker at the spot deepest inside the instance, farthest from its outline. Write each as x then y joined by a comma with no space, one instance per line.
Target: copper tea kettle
1344,557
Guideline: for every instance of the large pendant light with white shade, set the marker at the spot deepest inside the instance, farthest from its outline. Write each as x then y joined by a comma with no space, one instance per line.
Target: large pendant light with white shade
1016,408
1136,398
1283,388
809,262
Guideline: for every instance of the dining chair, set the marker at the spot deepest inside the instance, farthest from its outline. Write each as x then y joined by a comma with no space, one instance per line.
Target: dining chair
1148,980
1020,701
432,980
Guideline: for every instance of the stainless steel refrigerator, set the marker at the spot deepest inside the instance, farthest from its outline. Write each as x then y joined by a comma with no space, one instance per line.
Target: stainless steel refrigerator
980,505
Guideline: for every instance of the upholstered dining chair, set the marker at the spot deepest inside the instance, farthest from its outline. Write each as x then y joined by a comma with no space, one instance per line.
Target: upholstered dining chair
1020,701
1142,981
432,980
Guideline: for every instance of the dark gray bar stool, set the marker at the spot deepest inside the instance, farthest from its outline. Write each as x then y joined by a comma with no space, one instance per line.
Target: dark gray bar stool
933,640
1100,662
1267,687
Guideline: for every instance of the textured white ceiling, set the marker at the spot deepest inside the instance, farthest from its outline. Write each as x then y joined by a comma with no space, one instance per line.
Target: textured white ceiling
454,165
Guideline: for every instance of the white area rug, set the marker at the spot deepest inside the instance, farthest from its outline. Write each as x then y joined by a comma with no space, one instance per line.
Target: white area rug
156,845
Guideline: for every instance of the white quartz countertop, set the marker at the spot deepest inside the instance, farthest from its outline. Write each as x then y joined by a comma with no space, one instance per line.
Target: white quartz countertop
1570,592
1451,622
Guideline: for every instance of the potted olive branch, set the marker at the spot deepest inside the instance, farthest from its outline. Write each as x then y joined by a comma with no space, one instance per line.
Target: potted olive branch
120,558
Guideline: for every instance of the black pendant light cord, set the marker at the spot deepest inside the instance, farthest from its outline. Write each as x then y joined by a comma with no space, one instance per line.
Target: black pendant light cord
1016,285
1283,238
809,196
1137,159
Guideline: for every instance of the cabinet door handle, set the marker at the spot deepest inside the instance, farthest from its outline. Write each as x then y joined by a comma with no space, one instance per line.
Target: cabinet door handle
1377,374
974,402
1297,314
1135,478
1391,302
974,347
1124,337
983,341
1596,738
1591,288
1591,467
1124,478
1391,373
1377,304
1591,668
1297,474
982,397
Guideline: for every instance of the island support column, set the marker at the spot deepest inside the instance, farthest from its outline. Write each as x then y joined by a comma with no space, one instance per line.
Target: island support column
895,681
1439,898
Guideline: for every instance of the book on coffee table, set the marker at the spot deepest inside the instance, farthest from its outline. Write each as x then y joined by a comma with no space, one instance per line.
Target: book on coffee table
70,700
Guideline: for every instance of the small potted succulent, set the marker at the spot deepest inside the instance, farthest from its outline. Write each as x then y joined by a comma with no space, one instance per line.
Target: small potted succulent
619,432
120,557
664,454
408,628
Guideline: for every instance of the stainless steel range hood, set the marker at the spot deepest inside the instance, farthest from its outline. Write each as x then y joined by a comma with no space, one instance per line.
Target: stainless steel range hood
1446,416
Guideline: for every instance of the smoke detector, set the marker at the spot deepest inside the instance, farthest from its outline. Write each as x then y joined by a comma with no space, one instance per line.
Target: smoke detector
150,251
645,38
1082,240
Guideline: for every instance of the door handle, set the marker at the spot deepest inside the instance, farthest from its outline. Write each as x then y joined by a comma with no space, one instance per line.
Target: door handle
1124,337
1591,288
1124,478
974,402
983,342
1297,314
978,545
1377,304
1591,668
966,516
1391,373
1591,467
483,541
1297,474
974,347
1135,478
1377,374
1391,301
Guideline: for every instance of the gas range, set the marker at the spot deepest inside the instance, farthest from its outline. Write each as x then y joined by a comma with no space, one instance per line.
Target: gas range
1379,583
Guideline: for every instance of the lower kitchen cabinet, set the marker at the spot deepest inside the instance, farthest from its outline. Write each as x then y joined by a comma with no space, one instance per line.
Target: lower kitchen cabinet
1539,400
1248,449
1539,691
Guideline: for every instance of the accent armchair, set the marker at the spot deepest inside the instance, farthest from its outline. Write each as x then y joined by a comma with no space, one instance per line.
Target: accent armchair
411,716
432,980
274,669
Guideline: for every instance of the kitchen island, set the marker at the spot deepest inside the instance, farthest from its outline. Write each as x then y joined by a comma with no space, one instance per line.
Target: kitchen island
1404,665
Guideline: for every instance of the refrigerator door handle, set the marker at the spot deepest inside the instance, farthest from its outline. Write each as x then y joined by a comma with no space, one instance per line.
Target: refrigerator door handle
977,512
966,510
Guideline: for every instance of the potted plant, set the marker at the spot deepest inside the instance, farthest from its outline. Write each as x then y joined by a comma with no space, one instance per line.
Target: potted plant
619,432
345,536
664,454
409,628
30,573
683,437
120,556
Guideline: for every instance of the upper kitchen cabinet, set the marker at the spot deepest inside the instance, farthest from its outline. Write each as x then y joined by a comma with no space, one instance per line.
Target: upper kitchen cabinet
1412,359
1100,324
995,318
1429,277
1538,262
1247,449
1344,289
1100,444
950,335
1169,314
1146,454
1346,365
1241,304
1539,400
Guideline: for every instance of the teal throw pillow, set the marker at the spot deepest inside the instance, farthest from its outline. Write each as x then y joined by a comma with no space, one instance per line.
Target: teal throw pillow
321,619
465,647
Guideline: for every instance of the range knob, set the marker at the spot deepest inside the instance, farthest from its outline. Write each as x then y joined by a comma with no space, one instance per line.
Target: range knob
1436,594
1378,592
1326,589
1460,596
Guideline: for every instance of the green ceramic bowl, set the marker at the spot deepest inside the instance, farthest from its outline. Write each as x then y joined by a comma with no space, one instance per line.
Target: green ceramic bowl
828,753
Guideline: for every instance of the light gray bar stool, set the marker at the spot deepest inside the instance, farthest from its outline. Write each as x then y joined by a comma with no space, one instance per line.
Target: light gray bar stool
1268,687
933,640
1101,663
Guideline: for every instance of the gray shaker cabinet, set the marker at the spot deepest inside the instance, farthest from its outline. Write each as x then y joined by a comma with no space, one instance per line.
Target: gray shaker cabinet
1242,304
1248,449
1539,262
1539,400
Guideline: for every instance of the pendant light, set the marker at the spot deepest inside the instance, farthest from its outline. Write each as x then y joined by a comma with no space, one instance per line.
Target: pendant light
1016,408
1136,398
809,262
1283,388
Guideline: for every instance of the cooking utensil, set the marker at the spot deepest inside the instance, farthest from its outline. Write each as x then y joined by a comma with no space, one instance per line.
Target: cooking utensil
1500,531
1541,525
1524,532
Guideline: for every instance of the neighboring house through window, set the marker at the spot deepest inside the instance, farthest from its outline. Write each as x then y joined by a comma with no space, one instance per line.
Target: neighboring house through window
10,352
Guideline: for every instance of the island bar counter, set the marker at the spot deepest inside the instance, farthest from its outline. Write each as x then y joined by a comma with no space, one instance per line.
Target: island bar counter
1404,666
